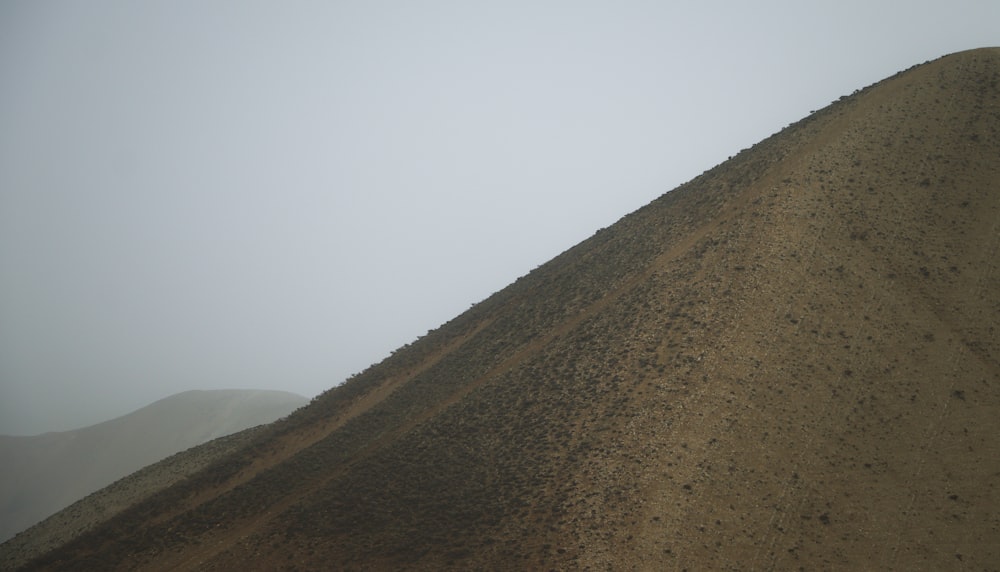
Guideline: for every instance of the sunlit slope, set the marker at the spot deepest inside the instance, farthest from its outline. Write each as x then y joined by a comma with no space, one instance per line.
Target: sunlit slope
792,360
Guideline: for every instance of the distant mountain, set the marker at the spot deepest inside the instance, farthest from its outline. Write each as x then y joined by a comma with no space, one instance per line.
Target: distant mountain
46,473
791,362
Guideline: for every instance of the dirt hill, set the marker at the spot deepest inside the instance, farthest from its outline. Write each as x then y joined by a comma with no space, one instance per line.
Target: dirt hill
46,473
791,361
98,507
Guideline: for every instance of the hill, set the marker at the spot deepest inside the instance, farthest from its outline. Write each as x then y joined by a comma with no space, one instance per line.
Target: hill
46,473
789,362
96,508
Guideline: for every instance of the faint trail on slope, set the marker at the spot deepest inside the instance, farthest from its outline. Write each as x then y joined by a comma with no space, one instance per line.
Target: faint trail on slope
934,425
294,444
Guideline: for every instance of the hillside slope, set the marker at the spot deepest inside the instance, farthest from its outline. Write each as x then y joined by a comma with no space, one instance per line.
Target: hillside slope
790,361
46,473
98,507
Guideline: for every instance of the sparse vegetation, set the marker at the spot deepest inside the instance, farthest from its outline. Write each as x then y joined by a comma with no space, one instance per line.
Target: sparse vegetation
770,367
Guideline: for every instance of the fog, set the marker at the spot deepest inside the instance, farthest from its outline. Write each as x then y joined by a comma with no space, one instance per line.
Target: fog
199,195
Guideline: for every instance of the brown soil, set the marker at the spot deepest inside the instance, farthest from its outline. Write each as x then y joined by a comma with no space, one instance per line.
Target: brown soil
790,362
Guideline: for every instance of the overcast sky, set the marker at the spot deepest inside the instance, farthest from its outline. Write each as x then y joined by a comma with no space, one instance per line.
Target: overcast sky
202,194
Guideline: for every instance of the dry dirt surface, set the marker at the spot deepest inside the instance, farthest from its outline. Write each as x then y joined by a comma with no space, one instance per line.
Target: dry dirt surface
790,362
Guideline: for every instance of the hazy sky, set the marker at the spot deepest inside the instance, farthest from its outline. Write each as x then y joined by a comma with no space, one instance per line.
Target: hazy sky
202,194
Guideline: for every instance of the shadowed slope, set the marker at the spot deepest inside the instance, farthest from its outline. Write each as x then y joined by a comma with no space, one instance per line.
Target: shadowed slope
45,473
789,361
97,508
